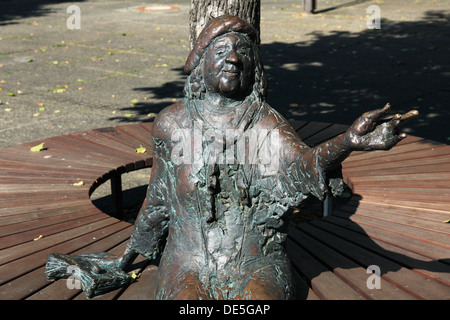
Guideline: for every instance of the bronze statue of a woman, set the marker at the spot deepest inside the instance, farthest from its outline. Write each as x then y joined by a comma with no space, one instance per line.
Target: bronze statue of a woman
227,167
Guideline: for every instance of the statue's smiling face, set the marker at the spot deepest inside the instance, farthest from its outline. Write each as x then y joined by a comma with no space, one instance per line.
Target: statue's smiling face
228,68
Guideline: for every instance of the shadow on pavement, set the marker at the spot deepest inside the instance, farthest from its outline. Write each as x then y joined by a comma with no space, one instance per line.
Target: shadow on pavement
14,9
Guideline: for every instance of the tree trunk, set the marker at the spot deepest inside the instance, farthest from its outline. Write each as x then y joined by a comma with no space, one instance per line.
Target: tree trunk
204,10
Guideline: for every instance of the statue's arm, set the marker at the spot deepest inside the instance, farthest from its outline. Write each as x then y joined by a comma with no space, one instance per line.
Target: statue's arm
366,133
314,170
151,226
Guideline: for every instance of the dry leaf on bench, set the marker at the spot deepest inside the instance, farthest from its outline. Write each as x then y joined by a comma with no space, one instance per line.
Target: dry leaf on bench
37,148
141,149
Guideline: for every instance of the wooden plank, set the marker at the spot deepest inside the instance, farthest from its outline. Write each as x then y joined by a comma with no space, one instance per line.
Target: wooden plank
23,151
350,272
18,267
21,250
73,146
400,169
9,177
428,183
144,287
36,209
326,134
147,126
418,245
98,138
32,282
325,284
123,137
405,177
34,196
297,124
38,204
412,254
72,213
26,214
425,197
311,128
394,162
397,150
408,203
46,160
353,206
46,231
407,280
137,132
303,291
433,236
105,150
48,168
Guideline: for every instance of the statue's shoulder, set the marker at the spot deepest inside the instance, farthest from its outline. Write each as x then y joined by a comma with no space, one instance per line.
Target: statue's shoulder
271,118
169,119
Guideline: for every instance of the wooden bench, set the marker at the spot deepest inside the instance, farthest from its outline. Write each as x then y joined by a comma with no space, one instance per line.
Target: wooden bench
394,219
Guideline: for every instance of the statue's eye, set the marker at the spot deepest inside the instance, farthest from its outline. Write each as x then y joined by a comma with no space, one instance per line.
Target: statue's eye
244,52
220,51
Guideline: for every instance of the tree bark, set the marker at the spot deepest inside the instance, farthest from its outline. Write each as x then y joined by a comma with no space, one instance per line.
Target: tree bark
204,10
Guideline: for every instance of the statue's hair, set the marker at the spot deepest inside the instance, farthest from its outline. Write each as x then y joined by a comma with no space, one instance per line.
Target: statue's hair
195,87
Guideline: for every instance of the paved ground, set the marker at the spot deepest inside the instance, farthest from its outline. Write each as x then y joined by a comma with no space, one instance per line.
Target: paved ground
124,65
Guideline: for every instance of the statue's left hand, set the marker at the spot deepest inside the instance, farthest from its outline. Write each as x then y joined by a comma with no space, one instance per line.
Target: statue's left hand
368,132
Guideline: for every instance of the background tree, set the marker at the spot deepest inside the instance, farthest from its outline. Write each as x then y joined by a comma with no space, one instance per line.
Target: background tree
204,10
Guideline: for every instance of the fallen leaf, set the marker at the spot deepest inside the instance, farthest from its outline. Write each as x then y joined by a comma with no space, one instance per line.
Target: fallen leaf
40,104
37,148
128,115
141,149
135,275
134,101
79,184
36,239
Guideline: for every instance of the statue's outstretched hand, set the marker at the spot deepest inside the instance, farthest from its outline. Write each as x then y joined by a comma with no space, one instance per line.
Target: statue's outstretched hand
369,132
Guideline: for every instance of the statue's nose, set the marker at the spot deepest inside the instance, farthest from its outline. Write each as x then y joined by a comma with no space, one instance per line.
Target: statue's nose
232,57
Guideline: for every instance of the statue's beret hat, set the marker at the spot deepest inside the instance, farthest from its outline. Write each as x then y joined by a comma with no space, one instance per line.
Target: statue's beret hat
213,29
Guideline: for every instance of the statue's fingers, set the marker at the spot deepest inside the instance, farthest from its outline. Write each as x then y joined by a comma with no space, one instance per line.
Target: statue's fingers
374,115
368,121
401,118
409,115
